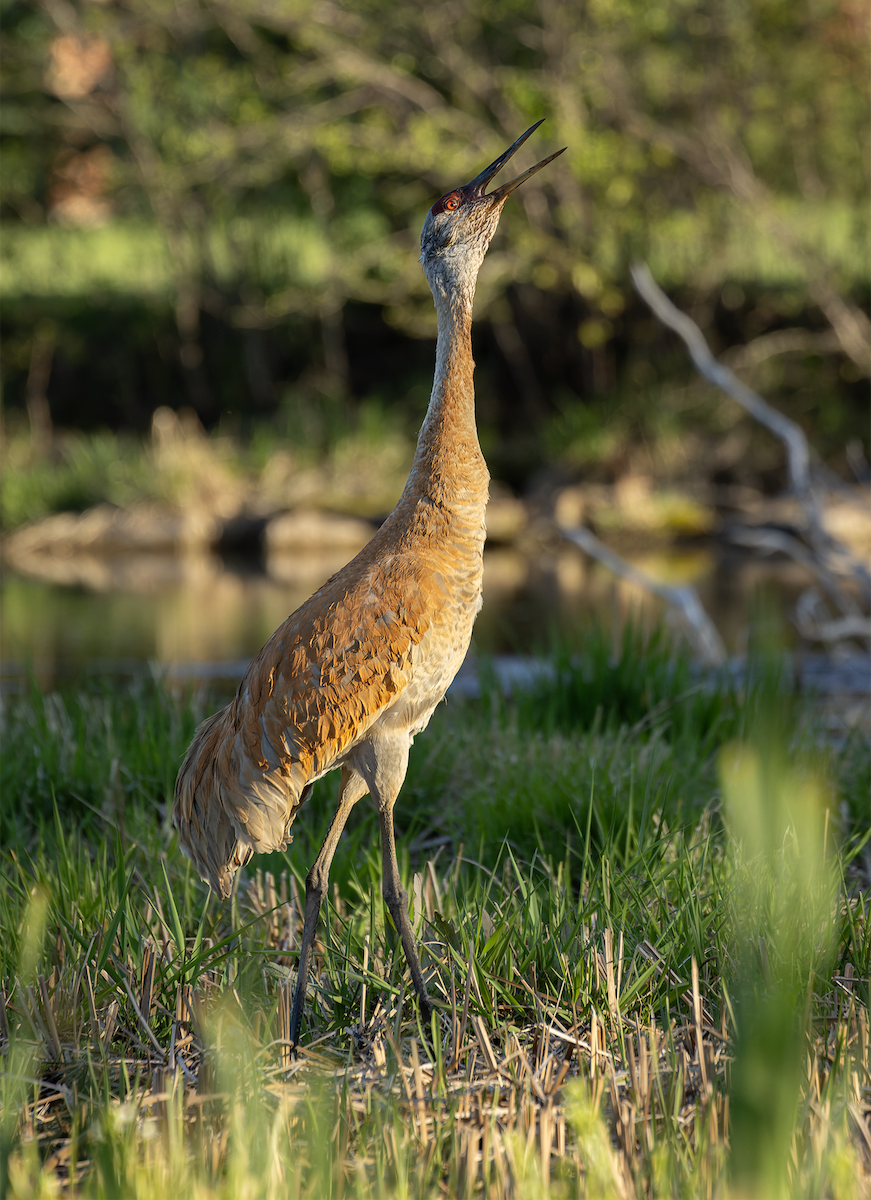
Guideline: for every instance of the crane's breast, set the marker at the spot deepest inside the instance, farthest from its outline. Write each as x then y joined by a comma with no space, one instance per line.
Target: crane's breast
451,583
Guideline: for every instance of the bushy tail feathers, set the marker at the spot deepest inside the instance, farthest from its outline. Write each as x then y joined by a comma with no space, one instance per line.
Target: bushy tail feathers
222,820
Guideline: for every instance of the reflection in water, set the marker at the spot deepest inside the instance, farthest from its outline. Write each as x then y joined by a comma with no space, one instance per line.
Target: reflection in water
530,598
202,609
186,610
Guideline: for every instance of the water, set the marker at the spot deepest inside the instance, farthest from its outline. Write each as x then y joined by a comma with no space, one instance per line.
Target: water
207,615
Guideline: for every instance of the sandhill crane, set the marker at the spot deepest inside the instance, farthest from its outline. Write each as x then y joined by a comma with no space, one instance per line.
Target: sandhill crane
350,677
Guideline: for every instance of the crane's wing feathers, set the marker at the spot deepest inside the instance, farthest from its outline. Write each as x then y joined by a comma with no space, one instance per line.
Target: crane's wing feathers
317,685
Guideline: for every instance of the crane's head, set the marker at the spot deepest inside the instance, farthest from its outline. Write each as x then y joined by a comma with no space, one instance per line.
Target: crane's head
459,227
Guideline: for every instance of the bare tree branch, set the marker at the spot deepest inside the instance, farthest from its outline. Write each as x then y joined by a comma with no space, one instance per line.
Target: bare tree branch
702,633
798,454
827,556
814,622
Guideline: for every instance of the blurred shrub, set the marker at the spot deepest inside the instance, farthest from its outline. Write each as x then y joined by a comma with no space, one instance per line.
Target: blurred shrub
264,165
292,146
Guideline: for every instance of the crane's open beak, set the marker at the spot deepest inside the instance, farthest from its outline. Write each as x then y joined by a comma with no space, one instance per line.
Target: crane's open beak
478,185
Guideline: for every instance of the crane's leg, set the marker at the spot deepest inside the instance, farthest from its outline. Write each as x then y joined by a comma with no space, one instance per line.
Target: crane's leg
351,789
396,899
383,761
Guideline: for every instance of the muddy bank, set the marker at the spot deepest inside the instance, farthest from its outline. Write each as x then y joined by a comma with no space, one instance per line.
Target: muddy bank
632,514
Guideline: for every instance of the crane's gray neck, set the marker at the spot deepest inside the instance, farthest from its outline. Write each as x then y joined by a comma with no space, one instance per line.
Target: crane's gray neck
452,274
451,411
448,451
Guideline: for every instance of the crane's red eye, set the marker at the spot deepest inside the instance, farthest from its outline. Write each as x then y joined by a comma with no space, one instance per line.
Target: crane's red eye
447,203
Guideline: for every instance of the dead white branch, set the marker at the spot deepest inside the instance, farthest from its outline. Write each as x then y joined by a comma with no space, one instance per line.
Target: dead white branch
701,631
813,621
792,435
773,541
811,616
832,557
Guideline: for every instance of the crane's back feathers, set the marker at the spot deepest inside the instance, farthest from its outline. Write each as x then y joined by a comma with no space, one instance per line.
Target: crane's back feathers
376,646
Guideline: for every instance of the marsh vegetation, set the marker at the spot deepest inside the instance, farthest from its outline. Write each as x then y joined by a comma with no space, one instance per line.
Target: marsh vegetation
644,907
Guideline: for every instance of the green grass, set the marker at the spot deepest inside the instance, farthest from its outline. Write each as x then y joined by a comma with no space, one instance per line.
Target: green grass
644,915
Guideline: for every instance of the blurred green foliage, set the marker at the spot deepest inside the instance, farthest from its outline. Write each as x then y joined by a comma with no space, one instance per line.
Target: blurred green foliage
256,165
313,136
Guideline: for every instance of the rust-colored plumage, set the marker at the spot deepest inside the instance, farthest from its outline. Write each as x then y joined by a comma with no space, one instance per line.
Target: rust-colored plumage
350,677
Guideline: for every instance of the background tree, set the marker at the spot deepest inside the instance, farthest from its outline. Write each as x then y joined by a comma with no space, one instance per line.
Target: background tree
218,204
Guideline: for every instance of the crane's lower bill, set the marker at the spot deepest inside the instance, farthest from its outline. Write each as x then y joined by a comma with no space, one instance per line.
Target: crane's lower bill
477,186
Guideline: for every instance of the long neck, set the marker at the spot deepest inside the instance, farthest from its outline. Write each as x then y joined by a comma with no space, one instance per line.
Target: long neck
448,462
